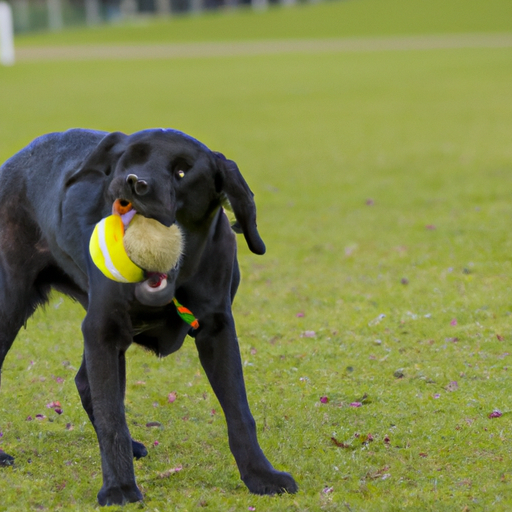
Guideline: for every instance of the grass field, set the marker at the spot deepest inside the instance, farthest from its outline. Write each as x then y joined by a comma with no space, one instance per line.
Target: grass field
376,332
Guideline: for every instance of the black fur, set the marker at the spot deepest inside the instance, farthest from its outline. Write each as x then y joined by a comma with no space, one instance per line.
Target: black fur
52,193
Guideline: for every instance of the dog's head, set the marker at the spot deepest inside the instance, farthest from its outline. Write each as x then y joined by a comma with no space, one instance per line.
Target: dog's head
168,176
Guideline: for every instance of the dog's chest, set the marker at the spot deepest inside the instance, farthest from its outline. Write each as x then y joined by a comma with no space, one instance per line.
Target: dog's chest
162,331
144,326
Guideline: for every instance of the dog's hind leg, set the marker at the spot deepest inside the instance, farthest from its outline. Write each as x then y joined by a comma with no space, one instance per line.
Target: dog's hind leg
84,390
10,323
23,258
20,294
19,298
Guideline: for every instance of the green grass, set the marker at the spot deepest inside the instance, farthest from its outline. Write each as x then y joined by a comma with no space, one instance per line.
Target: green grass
383,184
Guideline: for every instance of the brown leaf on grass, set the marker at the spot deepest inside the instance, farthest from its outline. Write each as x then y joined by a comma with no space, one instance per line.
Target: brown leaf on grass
500,338
169,472
153,424
340,444
377,474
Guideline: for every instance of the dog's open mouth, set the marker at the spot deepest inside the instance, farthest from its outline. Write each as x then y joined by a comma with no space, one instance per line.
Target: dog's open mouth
125,210
152,247
156,281
121,206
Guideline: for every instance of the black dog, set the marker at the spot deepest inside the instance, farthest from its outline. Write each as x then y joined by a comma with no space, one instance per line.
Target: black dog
52,193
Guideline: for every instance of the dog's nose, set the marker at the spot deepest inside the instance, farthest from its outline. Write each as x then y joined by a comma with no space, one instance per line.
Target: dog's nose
140,187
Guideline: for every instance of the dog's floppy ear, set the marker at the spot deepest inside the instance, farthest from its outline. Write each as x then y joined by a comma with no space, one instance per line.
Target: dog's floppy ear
241,199
102,159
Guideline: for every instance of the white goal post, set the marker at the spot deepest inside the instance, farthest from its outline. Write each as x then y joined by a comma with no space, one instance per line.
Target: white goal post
6,35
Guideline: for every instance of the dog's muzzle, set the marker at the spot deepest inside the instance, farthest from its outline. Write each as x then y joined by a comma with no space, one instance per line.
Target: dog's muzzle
146,196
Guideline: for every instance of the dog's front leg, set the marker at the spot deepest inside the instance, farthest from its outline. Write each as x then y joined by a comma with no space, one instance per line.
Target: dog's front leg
219,353
84,390
106,340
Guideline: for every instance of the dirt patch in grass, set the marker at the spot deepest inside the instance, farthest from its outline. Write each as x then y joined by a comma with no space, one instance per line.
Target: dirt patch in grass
246,48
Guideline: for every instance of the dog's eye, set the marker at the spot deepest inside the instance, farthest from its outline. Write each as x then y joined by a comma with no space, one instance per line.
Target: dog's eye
179,167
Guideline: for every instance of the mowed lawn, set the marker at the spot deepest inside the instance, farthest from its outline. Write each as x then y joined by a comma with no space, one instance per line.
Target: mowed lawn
375,333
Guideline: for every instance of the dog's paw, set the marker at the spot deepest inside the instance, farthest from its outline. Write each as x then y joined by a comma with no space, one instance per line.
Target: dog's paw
271,482
119,495
139,450
6,460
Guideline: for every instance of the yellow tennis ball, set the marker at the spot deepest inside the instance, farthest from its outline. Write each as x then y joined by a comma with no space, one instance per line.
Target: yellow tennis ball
151,245
108,253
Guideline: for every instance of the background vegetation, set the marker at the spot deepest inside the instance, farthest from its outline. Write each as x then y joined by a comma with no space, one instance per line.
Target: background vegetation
376,331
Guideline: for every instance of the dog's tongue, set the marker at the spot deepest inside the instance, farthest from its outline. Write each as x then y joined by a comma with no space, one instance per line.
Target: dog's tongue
155,279
128,216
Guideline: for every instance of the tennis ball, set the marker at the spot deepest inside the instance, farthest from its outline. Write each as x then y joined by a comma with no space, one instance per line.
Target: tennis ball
108,253
151,245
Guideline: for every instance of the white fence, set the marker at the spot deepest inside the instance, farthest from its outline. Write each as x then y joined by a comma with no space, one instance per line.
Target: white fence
6,35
